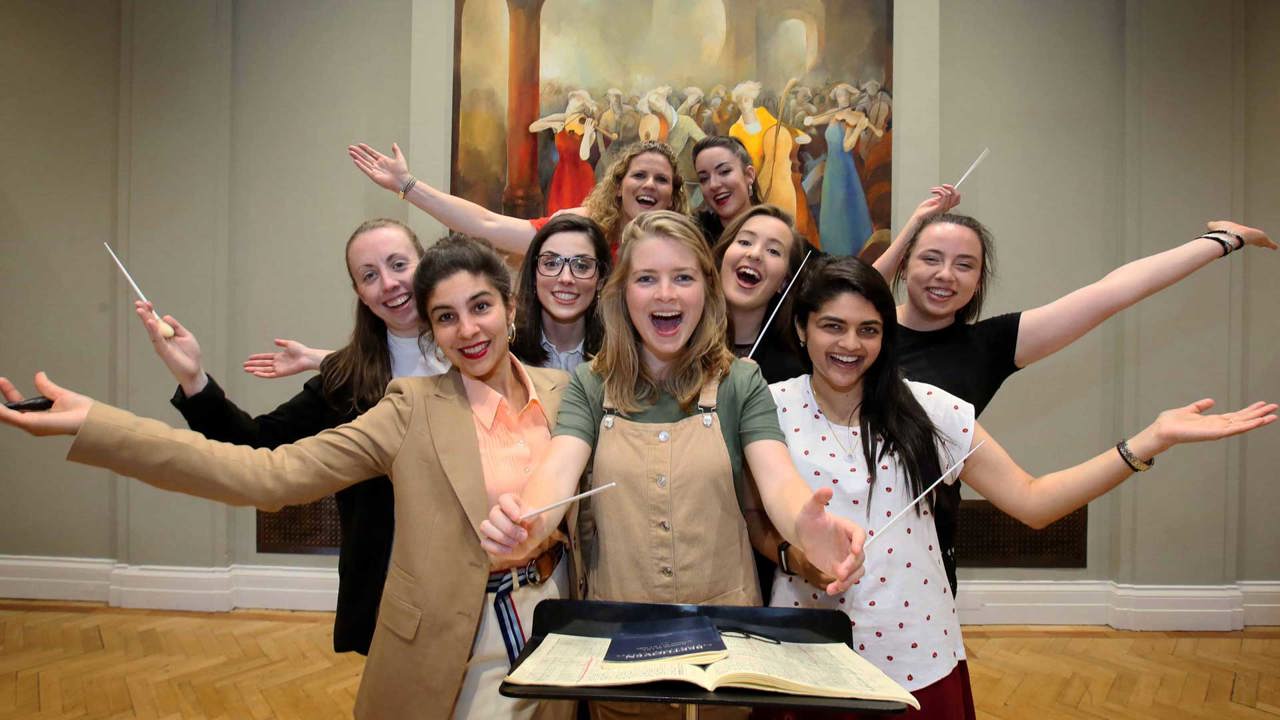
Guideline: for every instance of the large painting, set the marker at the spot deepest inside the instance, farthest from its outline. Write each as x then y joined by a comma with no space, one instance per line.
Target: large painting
548,92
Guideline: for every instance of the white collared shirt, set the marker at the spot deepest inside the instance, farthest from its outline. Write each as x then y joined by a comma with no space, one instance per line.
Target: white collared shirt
567,360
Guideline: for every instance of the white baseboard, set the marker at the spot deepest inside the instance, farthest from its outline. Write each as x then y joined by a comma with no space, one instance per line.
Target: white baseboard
1011,602
168,588
1125,607
1261,602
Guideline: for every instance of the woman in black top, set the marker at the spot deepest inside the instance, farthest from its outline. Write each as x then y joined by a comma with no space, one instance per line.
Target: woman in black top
381,256
948,264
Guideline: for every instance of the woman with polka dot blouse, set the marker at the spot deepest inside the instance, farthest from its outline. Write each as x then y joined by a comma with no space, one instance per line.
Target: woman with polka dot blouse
877,442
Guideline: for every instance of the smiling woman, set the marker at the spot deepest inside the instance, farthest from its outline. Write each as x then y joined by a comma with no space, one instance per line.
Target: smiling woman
643,179
855,419
450,445
556,320
665,408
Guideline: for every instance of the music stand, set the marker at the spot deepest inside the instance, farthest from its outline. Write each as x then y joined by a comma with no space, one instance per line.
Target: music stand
603,619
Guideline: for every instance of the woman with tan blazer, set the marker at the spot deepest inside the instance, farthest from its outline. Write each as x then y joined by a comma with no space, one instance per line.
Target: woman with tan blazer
451,445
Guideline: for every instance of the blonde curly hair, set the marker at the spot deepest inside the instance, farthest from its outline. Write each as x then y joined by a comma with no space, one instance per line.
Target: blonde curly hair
603,204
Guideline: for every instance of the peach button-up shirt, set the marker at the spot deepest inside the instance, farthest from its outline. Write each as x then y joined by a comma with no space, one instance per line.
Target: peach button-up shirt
512,443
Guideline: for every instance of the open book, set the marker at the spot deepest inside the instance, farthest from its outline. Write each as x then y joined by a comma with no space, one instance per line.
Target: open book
817,669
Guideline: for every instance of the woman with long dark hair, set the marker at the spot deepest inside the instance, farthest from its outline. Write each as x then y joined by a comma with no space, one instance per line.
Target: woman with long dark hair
448,625
853,426
557,294
381,257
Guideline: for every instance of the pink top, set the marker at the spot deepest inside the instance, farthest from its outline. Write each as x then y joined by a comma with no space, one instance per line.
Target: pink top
902,613
511,443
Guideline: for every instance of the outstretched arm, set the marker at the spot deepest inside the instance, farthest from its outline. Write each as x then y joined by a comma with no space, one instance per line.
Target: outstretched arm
294,358
1040,501
833,544
508,234
184,461
766,539
1049,328
941,199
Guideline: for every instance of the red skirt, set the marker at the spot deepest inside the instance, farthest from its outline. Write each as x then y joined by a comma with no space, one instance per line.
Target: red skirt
951,698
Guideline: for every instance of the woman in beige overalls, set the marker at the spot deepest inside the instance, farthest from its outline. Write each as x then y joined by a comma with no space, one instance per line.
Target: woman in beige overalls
670,416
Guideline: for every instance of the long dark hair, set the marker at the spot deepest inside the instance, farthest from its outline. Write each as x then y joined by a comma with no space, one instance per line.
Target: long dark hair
528,343
355,377
890,415
708,219
972,309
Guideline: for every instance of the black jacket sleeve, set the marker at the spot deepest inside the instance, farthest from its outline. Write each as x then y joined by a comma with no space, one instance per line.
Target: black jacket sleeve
211,414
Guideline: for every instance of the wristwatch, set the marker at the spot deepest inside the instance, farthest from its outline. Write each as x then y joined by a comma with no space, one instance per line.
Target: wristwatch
783,565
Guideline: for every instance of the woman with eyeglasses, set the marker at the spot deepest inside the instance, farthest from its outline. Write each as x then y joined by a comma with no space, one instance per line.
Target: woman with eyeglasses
560,280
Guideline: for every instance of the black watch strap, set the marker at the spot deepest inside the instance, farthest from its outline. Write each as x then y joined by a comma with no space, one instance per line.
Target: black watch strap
783,565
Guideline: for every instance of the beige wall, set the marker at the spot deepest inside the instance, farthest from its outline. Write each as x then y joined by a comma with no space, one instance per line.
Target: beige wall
207,139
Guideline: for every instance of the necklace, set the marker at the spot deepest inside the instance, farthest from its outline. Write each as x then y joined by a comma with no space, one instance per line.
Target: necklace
848,422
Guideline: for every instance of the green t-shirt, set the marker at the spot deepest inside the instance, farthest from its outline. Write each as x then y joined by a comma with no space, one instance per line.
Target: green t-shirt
743,403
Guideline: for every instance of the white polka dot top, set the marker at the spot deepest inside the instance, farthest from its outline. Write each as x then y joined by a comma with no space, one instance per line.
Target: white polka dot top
902,612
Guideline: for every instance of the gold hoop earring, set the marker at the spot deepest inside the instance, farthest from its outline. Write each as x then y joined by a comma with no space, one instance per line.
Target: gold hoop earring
511,333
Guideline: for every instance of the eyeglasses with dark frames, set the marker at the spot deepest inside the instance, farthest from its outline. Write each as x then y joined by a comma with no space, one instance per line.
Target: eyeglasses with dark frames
582,267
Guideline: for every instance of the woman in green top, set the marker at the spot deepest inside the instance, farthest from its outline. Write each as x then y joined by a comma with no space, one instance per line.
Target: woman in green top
667,412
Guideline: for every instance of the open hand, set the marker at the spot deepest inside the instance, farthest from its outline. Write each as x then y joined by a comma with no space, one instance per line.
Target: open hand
64,418
1189,423
1252,236
388,172
291,360
833,544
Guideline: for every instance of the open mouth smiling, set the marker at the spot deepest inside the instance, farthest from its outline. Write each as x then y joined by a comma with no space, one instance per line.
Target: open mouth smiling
647,201
666,323
748,277
398,301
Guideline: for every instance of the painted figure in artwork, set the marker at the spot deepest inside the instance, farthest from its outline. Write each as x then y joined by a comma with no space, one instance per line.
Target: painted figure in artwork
845,221
575,132
620,125
772,146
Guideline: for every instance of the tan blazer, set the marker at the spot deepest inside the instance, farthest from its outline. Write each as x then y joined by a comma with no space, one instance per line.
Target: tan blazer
422,436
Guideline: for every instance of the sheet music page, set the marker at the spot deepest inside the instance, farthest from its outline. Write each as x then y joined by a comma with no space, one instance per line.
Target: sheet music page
830,666
570,660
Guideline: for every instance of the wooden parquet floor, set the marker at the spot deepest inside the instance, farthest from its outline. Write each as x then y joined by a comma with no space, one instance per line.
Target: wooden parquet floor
1047,673
82,660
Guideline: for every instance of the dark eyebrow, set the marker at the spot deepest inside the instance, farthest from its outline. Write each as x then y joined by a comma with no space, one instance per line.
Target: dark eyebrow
473,298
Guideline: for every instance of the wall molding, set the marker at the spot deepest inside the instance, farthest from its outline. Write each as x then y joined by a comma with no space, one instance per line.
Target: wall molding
217,589
1121,606
981,602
